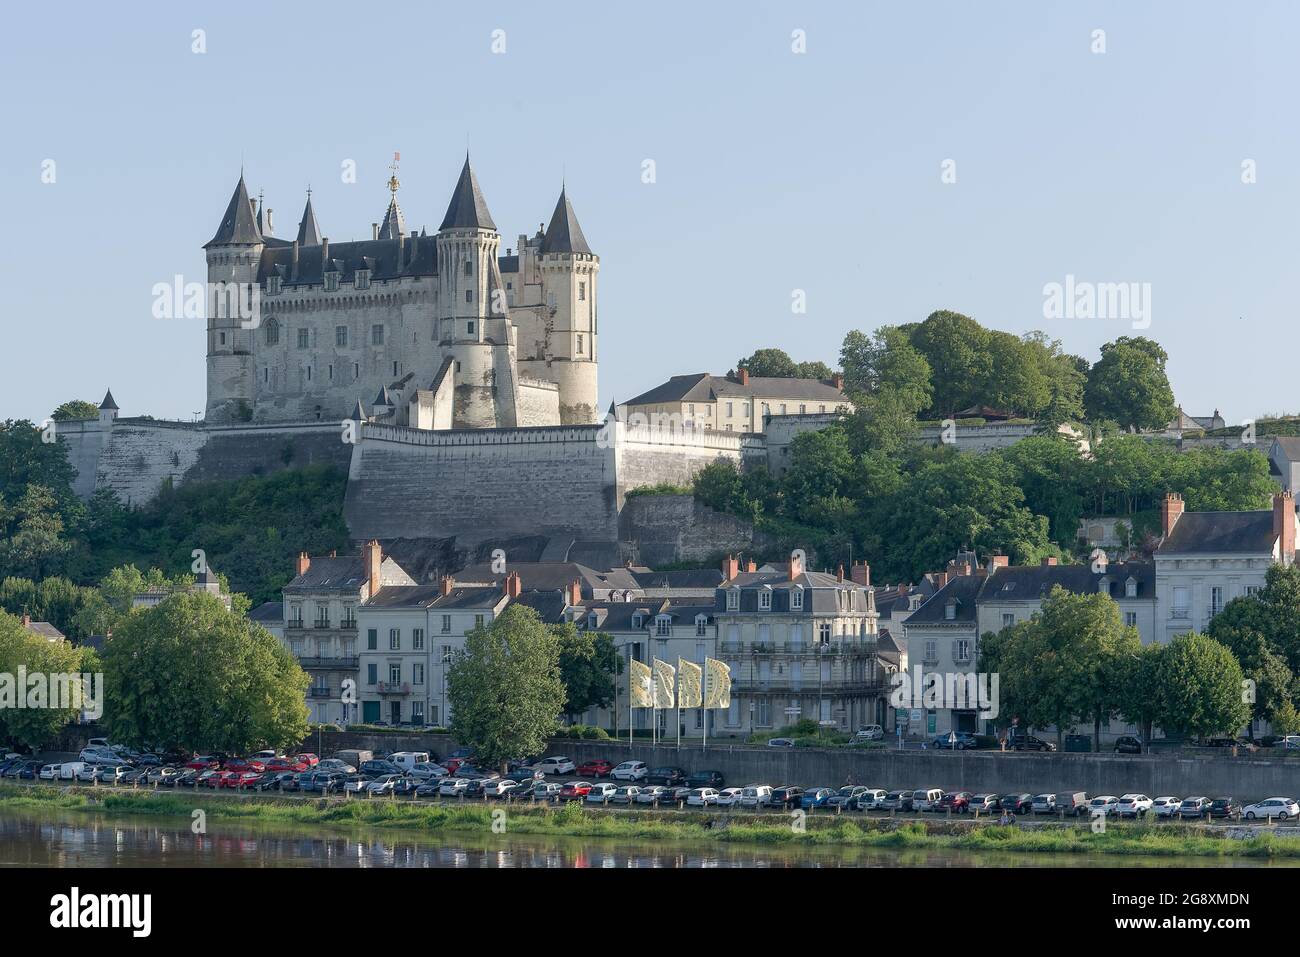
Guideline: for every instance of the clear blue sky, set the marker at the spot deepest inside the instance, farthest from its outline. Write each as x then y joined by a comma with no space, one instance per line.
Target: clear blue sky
776,171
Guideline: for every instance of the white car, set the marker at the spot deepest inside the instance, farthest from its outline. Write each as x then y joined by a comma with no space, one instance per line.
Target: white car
1134,805
384,784
1166,806
1103,805
427,771
555,765
111,773
630,771
87,773
872,732
98,755
50,772
498,787
730,797
1290,742
68,772
655,792
601,792
872,799
454,786
545,790
702,797
756,795
1284,808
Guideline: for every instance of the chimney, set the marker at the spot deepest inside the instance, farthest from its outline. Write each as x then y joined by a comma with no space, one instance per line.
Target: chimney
374,230
860,574
573,594
730,568
1049,562
324,258
293,263
1284,525
751,566
334,553
304,563
796,565
514,585
270,225
444,585
374,559
742,376
27,620
999,561
940,579
839,576
415,246
838,381
1170,510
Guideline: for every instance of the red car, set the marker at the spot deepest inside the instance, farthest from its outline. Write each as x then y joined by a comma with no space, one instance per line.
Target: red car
575,791
204,762
243,764
287,764
956,801
599,768
307,758
237,779
211,778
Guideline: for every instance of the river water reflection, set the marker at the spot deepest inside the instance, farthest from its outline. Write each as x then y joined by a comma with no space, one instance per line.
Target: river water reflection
55,838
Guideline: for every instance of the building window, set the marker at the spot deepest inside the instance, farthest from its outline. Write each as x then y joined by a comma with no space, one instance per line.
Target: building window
372,639
582,292
272,332
331,281
1131,588
469,267
730,409
469,295
764,713
372,674
579,345
417,674
1182,602
931,651
733,600
663,626
377,335
362,279
961,649
394,639
1131,619
701,626
304,338
1008,619
1216,600
824,632
478,621
395,674
341,336
446,624
469,328
796,599
417,639
273,286
765,600
417,709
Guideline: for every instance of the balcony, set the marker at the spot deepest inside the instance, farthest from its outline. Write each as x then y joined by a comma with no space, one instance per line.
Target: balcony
318,692
293,623
389,688
1180,612
321,623
348,624
330,663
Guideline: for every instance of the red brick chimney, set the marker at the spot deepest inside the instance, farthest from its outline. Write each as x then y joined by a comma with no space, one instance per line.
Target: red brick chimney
1170,510
514,585
840,574
751,565
444,585
796,566
838,381
860,573
1049,562
730,568
374,559
573,594
742,376
940,579
304,563
999,561
1284,525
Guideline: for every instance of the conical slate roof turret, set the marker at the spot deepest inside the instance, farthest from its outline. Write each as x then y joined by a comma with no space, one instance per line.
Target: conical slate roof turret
467,209
564,235
108,402
239,224
308,229
394,222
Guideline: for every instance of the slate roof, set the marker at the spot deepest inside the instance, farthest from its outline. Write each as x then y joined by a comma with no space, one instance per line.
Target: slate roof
1220,532
394,222
344,574
1290,445
45,630
467,209
108,402
964,589
549,605
239,224
618,615
308,230
564,235
820,591
679,578
429,595
1034,582
703,387
268,611
544,576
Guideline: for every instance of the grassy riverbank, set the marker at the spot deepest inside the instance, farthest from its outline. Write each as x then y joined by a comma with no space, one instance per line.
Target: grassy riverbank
1164,840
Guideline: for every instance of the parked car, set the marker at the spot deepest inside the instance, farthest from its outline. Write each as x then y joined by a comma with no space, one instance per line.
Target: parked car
984,803
816,797
780,742
730,797
630,771
925,799
429,788
1017,803
956,802
575,790
378,769
870,799
872,732
243,764
1072,802
1289,742
1103,805
186,778
897,801
1166,806
557,764
204,762
787,796
600,793
288,764
706,779
755,796
239,779
1283,808
1027,742
111,773
1043,804
50,772
598,768
953,740
625,795
1224,807
1134,805
702,797
1127,744
335,764
845,796
523,775
453,787
498,787
86,773
1193,807
668,777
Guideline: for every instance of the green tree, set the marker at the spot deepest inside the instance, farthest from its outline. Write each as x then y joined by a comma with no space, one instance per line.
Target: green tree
589,666
75,409
187,674
1128,385
776,363
1200,688
505,687
36,541
48,666
886,365
1138,688
956,348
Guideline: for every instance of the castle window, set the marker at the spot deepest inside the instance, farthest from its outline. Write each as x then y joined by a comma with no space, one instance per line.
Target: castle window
341,336
273,285
266,373
377,335
331,281
356,372
223,338
582,291
469,267
394,368
579,345
309,373
469,328
469,295
331,372
272,332
304,338
361,280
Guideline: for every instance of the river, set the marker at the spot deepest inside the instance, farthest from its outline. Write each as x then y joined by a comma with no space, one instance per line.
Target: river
62,838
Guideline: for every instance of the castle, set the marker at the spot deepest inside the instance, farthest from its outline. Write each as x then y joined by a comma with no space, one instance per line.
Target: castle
441,330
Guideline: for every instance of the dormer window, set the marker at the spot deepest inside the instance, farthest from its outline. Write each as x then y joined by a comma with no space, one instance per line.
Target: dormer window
637,621
331,282
1131,588
592,622
796,599
765,600
361,280
733,600
273,285
701,625
950,610
1103,584
663,626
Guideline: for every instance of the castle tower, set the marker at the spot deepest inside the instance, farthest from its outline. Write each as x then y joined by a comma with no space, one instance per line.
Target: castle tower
308,228
473,321
569,272
233,255
107,411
